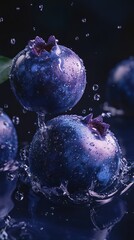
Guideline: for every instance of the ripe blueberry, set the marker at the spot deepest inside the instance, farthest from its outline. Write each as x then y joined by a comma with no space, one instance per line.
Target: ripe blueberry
120,87
80,151
8,139
47,77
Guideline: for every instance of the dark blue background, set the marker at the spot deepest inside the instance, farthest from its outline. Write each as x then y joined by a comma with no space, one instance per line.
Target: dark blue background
105,46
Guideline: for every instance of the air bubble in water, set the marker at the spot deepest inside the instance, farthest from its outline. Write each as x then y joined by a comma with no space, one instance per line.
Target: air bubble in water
76,38
95,87
19,196
96,97
12,41
1,19
84,20
15,120
41,7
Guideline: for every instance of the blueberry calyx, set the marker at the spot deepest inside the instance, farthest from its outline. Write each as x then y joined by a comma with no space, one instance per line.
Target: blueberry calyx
97,124
38,45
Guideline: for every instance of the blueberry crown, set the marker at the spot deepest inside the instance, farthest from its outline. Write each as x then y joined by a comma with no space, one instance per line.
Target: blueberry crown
97,123
38,45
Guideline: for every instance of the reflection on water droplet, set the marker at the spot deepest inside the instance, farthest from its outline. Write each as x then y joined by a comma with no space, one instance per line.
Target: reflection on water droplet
95,87
84,111
90,109
5,105
10,176
119,27
12,41
96,97
87,34
76,38
15,120
19,196
17,8
84,20
1,19
41,7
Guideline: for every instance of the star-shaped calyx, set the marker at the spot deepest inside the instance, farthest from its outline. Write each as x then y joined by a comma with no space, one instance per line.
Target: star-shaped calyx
97,124
38,45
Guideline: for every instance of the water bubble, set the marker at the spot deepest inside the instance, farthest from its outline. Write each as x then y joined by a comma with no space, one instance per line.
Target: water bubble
72,3
31,4
84,20
96,97
1,19
12,41
34,28
10,176
5,105
87,34
95,87
119,27
19,196
76,38
24,111
17,8
84,111
15,120
90,109
41,7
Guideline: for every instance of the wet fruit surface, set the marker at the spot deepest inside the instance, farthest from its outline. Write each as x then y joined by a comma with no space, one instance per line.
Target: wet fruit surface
8,140
47,77
79,151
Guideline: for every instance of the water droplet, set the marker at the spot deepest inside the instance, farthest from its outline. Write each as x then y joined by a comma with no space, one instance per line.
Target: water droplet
72,3
95,87
17,8
84,111
5,105
119,27
19,196
31,4
10,176
96,97
90,109
41,7
84,20
12,41
15,120
34,28
87,34
24,111
76,38
1,19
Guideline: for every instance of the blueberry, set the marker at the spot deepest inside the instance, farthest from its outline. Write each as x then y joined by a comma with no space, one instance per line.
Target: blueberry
120,87
8,139
79,151
47,77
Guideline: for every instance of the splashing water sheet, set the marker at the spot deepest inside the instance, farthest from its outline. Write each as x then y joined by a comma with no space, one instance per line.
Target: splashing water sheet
67,174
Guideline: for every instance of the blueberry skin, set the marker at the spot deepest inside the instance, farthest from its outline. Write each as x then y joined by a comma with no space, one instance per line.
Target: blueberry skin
73,150
120,87
48,78
8,140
